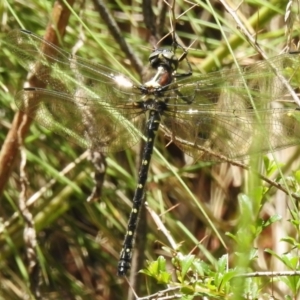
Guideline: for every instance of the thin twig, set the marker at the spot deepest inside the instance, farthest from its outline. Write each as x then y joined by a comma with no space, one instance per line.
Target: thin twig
29,233
160,226
268,274
161,294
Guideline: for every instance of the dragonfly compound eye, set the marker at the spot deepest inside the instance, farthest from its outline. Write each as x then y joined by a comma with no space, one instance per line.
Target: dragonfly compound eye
163,57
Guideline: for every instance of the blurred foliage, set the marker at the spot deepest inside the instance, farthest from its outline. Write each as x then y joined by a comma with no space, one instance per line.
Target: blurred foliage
78,242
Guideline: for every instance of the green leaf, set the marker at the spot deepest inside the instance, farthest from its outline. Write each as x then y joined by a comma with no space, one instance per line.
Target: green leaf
157,269
291,241
271,220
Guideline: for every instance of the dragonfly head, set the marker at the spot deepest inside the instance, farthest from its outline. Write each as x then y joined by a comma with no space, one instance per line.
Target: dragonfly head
163,58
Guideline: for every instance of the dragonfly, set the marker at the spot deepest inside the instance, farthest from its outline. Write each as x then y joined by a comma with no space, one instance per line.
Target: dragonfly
231,113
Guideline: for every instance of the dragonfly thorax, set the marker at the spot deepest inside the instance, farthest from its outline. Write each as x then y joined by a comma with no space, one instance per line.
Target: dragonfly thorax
154,105
162,78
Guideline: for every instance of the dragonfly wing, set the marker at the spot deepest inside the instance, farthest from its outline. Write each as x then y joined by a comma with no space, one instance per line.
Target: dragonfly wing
215,134
64,72
254,86
87,122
